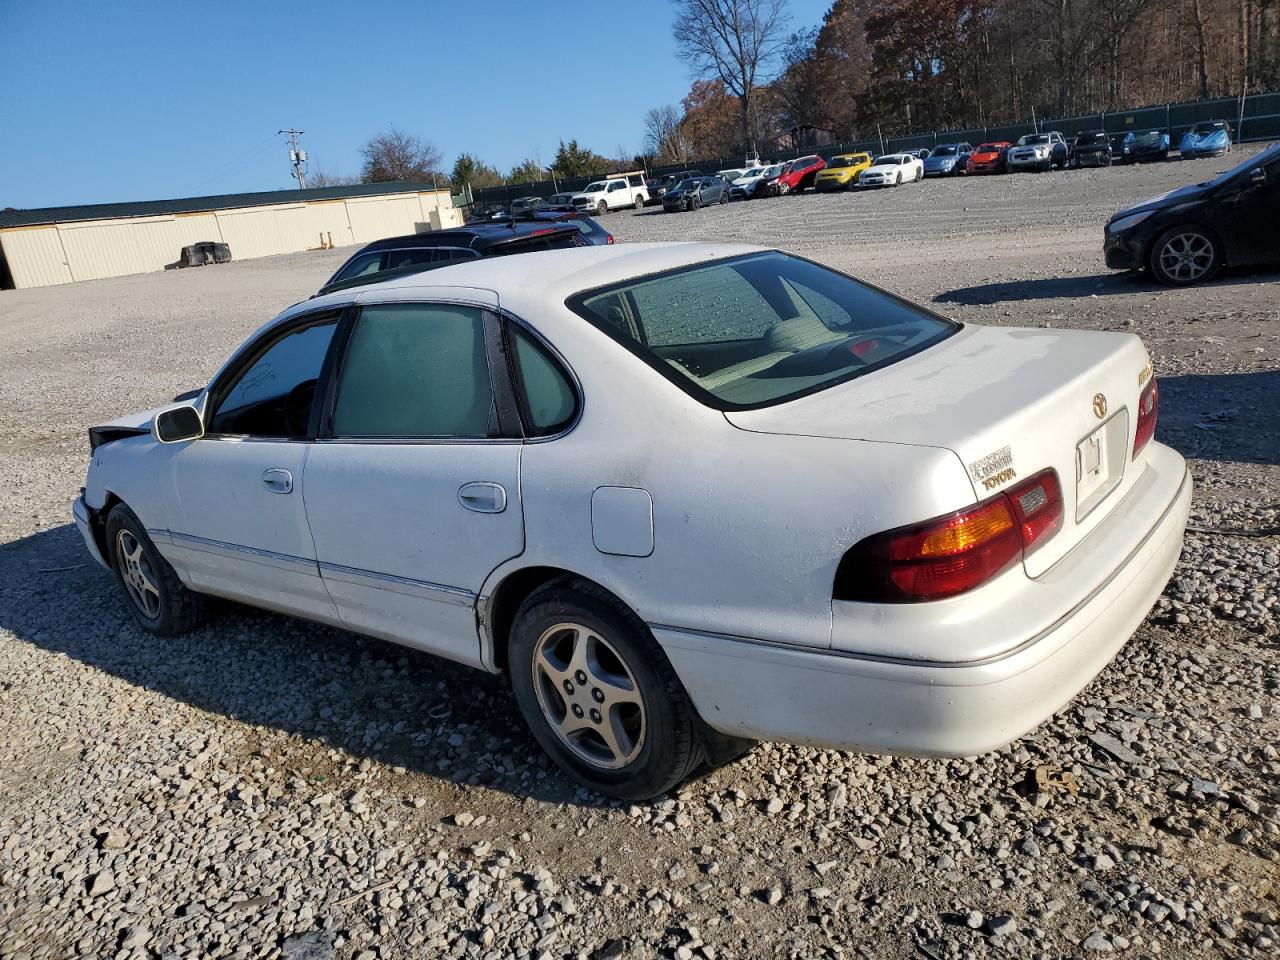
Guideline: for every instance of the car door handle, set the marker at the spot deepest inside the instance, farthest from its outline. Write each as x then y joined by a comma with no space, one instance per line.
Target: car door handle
483,497
278,480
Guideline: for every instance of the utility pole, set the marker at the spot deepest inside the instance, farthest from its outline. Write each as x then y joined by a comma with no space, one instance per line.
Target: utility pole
298,157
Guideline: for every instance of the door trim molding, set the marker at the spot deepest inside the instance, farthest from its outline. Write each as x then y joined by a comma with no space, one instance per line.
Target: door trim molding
422,589
235,551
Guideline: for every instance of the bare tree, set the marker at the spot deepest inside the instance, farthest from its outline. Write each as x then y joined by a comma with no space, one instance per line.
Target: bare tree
734,41
399,156
321,178
663,136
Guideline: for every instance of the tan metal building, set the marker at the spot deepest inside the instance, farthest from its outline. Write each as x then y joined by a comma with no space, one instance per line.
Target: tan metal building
65,244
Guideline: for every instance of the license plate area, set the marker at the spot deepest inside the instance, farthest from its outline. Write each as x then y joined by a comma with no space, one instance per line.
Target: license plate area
1100,460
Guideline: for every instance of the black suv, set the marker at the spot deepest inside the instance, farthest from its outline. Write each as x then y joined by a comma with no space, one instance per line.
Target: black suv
400,256
1092,148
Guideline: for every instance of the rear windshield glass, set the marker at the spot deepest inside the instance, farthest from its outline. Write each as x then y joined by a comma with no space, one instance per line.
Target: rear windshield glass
1087,139
759,329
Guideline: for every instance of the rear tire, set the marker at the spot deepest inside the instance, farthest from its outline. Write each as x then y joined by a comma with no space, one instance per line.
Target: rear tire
637,203
599,694
1184,256
152,591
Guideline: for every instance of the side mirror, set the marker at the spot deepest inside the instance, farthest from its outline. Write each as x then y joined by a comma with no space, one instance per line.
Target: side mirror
1258,175
177,424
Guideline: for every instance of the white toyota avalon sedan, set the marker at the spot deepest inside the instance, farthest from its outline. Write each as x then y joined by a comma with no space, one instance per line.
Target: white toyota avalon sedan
683,495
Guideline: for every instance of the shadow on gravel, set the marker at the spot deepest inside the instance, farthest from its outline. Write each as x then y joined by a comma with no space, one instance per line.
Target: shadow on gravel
368,698
1100,285
1227,416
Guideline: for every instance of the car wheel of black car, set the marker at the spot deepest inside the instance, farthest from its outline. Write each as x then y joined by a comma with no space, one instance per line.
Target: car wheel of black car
156,597
599,695
1186,255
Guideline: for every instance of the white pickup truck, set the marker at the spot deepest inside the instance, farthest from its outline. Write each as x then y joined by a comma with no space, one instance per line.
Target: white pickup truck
612,193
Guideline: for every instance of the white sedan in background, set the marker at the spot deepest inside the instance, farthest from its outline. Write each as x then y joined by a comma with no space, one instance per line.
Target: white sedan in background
683,495
892,169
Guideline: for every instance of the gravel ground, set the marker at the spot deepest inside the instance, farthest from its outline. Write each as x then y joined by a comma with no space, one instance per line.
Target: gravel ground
269,788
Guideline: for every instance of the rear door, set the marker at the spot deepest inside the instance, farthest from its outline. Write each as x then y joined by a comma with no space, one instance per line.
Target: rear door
412,488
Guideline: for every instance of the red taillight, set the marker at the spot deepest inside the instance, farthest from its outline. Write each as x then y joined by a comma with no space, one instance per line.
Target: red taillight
609,239
955,553
1148,407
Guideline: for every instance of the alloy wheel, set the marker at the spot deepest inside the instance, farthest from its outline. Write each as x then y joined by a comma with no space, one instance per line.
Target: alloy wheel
589,696
1186,257
139,579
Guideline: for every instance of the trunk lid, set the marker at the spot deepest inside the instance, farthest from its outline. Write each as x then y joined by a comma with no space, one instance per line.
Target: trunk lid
1009,402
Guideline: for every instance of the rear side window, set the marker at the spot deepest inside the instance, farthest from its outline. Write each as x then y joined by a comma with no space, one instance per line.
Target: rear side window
415,371
546,396
755,330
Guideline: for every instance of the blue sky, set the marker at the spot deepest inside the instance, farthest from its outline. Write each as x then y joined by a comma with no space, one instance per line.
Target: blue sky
139,100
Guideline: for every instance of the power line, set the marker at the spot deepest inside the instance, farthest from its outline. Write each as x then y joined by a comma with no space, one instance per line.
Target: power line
298,157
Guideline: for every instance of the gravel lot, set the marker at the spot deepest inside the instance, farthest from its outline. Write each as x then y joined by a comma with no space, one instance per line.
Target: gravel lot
269,788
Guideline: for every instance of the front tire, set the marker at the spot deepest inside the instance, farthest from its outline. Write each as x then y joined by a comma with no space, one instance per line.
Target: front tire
601,208
152,591
599,694
1184,256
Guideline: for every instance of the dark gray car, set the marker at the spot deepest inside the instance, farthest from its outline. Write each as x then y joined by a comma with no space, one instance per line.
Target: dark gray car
696,192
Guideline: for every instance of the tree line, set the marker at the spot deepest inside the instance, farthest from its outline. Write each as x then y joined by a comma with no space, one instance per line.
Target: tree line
897,67
920,65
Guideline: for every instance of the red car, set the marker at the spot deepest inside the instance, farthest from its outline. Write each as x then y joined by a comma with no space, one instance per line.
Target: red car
989,157
798,175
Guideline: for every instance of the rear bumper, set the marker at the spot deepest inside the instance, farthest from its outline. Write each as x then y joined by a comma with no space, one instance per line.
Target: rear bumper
922,708
80,512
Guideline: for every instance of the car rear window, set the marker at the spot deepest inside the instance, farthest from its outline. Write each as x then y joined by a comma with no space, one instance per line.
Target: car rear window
759,329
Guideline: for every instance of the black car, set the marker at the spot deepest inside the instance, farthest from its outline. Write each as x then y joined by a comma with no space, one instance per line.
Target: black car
1152,146
1186,236
1122,147
696,192
659,186
1091,149
399,256
592,233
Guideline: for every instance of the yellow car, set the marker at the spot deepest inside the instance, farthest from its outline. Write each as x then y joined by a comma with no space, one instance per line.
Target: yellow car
842,171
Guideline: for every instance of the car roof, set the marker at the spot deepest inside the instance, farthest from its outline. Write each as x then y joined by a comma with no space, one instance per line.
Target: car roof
479,234
533,280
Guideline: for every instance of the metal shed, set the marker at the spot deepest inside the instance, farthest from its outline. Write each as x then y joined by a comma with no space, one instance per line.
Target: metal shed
65,244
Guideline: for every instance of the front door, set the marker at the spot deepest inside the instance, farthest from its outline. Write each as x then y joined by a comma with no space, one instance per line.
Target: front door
412,491
1250,216
240,529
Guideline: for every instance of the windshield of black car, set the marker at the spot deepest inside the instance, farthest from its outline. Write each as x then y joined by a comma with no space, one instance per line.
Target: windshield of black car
1257,160
1033,139
759,329
1088,139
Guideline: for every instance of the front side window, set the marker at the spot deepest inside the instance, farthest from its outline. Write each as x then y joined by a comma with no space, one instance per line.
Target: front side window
273,395
759,329
414,370
365,263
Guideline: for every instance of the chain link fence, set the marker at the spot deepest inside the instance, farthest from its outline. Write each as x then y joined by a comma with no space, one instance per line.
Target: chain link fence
1252,118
